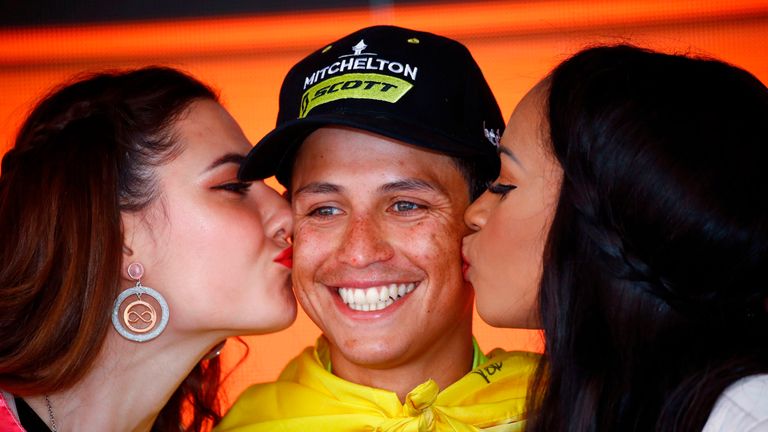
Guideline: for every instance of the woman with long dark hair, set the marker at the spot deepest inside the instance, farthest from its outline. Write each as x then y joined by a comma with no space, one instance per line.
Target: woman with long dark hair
630,223
130,251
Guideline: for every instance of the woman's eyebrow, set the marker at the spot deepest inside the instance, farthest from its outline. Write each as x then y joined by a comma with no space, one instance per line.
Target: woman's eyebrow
505,151
235,158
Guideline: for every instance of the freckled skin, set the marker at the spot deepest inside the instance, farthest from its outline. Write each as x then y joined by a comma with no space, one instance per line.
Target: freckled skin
369,239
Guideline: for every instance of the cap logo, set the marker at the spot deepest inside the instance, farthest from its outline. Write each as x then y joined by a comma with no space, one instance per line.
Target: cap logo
358,50
492,135
372,86
361,60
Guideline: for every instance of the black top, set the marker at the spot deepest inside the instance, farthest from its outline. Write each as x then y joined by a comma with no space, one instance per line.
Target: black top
29,418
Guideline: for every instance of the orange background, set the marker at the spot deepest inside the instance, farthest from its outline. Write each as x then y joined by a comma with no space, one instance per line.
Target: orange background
515,42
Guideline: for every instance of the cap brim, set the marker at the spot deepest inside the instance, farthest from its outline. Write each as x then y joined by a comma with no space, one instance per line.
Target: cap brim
274,153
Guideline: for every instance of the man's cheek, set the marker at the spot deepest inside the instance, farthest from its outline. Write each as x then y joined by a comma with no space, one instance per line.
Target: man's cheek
306,292
309,247
429,250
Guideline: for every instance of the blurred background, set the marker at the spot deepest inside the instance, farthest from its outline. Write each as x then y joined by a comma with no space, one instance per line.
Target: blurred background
243,48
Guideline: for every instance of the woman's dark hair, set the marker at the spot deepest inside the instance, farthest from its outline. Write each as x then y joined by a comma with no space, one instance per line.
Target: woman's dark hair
653,294
86,153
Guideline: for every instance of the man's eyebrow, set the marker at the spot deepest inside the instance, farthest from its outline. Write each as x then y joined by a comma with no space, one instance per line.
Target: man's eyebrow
234,158
317,188
410,185
404,185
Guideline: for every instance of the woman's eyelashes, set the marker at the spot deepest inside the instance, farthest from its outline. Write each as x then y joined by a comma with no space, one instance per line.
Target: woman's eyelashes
501,188
237,187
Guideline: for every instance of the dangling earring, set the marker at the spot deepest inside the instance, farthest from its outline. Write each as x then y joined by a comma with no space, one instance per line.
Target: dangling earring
138,320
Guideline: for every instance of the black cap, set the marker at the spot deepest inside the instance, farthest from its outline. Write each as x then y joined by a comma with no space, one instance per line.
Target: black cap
416,87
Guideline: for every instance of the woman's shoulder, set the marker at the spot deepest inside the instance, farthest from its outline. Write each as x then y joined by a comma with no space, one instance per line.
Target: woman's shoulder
743,406
9,419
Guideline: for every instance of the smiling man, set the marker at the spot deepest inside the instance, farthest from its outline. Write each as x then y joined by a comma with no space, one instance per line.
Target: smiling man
382,140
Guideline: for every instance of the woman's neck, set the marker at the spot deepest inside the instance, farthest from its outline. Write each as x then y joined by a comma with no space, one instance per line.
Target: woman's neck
127,386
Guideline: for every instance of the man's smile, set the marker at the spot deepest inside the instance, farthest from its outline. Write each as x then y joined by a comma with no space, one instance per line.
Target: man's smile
375,298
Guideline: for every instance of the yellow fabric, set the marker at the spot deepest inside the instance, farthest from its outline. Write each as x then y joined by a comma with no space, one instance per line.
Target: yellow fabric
307,398
478,357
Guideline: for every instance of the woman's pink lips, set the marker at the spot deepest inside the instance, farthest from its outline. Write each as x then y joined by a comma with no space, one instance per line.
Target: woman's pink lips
286,257
464,266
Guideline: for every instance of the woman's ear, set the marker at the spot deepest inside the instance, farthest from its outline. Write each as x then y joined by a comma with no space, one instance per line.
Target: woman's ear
141,243
127,223
135,241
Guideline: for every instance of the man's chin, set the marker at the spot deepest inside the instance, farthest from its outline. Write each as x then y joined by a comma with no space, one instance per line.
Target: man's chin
368,352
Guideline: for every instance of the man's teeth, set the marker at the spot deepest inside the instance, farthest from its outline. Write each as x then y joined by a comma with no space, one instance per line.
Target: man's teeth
374,298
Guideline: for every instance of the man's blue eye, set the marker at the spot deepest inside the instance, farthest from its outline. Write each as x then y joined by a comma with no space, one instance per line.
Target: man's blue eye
325,211
405,206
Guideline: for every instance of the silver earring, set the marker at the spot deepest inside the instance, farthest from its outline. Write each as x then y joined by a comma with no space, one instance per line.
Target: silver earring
138,320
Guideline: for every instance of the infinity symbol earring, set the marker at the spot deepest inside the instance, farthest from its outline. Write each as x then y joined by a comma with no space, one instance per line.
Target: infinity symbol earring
137,319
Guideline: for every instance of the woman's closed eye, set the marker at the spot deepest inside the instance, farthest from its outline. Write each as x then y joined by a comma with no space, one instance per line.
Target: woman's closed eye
237,187
501,188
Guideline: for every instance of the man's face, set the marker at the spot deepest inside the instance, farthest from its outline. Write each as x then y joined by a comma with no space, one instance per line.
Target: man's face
377,246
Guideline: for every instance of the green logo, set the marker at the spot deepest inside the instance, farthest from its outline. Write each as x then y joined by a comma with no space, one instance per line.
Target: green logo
354,86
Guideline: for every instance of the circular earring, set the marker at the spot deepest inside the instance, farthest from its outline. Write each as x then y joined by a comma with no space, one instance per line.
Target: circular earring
138,320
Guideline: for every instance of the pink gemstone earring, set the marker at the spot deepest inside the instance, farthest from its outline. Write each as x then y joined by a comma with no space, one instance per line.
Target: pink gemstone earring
138,320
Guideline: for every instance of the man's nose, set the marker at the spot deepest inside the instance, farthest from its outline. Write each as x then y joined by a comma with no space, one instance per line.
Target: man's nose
364,243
